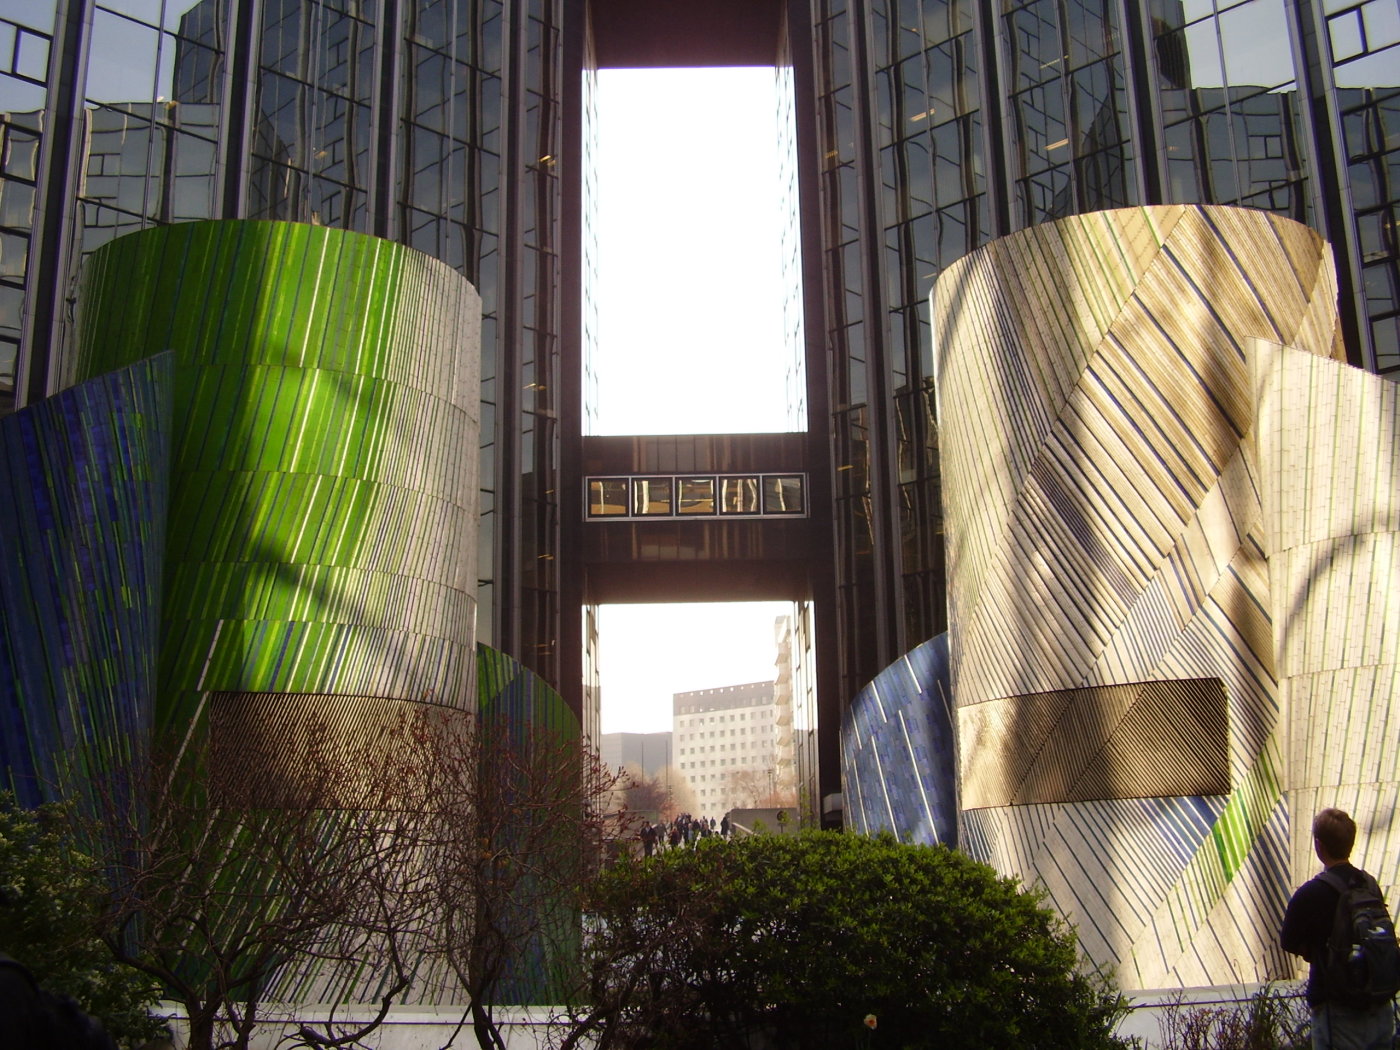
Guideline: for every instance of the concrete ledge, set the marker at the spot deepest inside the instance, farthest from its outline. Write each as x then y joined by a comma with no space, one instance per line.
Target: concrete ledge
1150,1007
527,1028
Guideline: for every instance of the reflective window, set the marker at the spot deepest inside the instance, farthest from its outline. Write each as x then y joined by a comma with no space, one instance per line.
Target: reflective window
1070,108
691,496
739,496
651,496
312,136
782,494
30,55
151,119
1232,125
26,49
697,496
1256,44
607,497
1371,135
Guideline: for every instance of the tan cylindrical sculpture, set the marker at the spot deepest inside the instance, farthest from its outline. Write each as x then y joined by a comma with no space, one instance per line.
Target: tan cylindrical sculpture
1115,637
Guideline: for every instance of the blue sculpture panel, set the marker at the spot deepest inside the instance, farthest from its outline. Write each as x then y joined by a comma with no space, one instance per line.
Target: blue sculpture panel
82,531
898,763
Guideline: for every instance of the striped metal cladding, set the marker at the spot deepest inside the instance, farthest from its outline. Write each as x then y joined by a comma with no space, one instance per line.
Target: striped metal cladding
85,480
1112,504
310,438
324,490
1139,740
898,756
1332,524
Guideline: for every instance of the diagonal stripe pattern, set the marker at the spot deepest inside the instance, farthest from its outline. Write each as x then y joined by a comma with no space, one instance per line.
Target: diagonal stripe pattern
1108,479
1139,740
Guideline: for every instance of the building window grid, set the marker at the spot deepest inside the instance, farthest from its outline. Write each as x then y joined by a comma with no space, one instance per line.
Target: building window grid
1370,119
1235,143
149,142
1068,107
312,148
929,160
932,209
22,76
1358,30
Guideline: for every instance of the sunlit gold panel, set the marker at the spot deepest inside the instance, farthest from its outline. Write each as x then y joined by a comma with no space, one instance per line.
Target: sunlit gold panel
1143,740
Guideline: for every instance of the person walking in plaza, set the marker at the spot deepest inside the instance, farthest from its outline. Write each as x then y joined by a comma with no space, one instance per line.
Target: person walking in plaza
1318,926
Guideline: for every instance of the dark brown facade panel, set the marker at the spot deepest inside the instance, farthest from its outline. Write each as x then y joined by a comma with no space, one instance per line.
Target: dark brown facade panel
674,540
728,581
631,34
697,453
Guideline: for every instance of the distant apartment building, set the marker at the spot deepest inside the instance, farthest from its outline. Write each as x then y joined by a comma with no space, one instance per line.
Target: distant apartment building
794,738
648,752
727,744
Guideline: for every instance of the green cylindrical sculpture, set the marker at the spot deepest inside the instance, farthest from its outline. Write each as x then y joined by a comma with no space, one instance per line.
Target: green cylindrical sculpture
321,555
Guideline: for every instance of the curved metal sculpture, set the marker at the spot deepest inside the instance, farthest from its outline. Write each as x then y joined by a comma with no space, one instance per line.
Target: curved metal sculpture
1135,633
320,563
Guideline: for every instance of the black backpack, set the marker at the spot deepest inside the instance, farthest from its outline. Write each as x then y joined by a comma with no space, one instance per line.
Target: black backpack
1362,965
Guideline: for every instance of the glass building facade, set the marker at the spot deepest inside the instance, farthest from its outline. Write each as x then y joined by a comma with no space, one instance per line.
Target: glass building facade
922,129
429,122
943,124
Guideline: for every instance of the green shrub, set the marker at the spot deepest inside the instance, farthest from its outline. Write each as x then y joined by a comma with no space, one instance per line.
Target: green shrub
49,896
791,941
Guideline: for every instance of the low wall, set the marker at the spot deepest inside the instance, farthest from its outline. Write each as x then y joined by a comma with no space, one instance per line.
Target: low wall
429,1028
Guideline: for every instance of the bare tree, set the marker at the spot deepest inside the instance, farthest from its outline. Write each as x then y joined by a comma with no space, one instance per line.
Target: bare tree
756,788
441,845
518,819
660,796
222,884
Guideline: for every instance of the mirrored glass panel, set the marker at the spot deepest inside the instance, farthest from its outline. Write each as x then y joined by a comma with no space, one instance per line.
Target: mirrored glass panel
123,69
651,496
782,494
739,496
607,497
697,496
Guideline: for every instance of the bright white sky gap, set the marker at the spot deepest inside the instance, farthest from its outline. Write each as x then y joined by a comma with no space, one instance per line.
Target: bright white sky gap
690,288
690,321
653,651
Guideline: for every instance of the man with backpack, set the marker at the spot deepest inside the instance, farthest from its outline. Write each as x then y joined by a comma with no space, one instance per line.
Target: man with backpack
1338,922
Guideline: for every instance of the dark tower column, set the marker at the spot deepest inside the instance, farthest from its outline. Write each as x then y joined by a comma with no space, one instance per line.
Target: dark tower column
570,644
508,636
239,87
1331,192
1146,131
883,501
388,104
822,572
50,244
